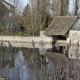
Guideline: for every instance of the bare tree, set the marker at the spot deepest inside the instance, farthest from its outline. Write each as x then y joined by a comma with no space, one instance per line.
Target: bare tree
35,17
60,7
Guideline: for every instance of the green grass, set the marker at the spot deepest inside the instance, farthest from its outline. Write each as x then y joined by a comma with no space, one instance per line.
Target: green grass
2,79
14,33
17,33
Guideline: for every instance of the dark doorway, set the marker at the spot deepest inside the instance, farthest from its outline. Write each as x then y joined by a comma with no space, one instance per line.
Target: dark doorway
61,37
22,27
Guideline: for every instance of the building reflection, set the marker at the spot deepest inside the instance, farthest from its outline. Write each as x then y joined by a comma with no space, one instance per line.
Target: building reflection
74,52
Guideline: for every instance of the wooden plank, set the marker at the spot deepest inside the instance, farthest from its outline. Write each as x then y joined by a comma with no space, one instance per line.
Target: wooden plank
62,42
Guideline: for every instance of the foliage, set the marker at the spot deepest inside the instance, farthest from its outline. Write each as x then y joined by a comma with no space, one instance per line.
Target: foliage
21,33
2,25
20,49
60,7
37,33
35,17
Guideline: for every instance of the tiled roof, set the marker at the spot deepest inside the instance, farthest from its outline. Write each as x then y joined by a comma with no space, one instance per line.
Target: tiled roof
2,7
7,3
60,25
76,25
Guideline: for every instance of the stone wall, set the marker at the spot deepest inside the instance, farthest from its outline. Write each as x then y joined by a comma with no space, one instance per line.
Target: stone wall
74,51
27,39
74,36
20,41
27,45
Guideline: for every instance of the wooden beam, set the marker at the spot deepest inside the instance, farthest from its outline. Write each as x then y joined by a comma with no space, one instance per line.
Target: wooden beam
62,42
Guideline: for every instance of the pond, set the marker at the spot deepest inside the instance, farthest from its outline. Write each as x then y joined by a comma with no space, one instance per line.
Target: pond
19,61
26,63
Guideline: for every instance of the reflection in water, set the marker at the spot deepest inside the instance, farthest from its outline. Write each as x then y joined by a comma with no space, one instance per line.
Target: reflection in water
20,63
74,52
19,59
28,64
17,71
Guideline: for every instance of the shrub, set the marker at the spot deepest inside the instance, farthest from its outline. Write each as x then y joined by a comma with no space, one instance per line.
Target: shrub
21,33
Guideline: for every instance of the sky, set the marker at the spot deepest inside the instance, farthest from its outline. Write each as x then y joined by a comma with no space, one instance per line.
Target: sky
24,2
71,6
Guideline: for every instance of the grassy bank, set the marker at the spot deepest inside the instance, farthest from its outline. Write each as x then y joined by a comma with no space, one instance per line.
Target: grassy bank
18,34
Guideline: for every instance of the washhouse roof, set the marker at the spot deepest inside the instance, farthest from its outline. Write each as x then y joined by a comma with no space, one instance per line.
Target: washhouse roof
60,25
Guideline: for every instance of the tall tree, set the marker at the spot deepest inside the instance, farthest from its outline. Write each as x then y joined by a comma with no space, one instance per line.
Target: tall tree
26,18
38,17
60,7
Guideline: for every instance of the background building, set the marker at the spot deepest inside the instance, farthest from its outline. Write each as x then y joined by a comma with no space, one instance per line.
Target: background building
6,15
